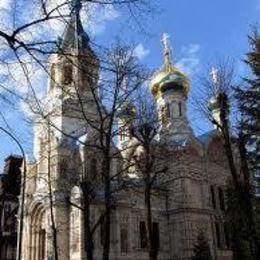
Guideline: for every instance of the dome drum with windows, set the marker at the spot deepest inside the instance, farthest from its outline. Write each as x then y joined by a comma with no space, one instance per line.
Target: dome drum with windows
168,77
127,111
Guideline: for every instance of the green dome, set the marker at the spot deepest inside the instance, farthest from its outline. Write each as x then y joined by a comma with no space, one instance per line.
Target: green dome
170,79
177,81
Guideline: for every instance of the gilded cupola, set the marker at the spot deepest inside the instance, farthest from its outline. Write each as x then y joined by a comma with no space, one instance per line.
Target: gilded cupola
168,77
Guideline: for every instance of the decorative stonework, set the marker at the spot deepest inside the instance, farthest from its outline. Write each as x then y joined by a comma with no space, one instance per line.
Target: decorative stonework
180,202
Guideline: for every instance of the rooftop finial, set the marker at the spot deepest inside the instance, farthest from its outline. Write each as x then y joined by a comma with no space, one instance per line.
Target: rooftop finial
76,6
214,74
167,49
74,35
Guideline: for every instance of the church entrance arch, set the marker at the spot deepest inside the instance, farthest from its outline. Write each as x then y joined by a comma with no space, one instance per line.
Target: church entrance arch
38,237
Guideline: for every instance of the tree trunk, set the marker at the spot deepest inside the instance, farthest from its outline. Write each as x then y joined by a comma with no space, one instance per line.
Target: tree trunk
89,245
152,250
53,225
107,216
148,183
50,194
242,186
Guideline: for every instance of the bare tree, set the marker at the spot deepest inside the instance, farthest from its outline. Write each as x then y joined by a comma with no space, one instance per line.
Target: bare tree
50,194
122,66
149,162
106,99
217,106
35,50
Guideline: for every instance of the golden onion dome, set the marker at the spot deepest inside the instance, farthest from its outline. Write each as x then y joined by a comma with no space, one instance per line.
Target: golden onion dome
168,77
127,111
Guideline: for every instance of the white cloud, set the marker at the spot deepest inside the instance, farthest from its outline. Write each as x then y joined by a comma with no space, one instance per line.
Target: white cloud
94,18
140,51
6,15
29,81
190,60
5,4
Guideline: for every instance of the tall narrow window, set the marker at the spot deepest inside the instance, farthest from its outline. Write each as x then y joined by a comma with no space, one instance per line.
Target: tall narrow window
42,238
168,110
93,169
122,136
221,199
156,236
7,217
218,237
67,74
227,238
87,75
213,200
165,113
143,235
102,233
180,108
124,240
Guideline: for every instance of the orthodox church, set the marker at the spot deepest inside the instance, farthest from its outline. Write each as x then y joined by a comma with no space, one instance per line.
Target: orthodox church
191,202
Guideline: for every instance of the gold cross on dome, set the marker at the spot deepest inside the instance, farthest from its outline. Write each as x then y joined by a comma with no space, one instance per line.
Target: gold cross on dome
214,75
167,49
165,41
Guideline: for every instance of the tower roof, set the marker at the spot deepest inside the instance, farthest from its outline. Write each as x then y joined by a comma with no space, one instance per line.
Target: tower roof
74,36
168,76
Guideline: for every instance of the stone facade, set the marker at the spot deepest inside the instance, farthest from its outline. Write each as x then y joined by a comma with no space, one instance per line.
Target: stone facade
192,198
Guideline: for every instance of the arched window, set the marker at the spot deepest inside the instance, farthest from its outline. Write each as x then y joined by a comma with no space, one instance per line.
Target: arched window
168,110
180,108
213,199
67,74
165,113
156,235
143,235
38,232
122,134
42,244
218,235
221,199
102,232
93,168
87,75
124,239
227,236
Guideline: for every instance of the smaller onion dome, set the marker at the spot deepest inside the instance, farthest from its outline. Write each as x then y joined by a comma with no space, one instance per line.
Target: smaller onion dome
219,100
168,77
213,103
127,111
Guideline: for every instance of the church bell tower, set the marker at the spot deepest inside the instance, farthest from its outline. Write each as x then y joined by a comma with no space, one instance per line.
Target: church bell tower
72,86
170,87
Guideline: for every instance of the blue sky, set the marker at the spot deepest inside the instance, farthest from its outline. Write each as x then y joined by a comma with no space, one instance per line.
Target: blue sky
201,31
